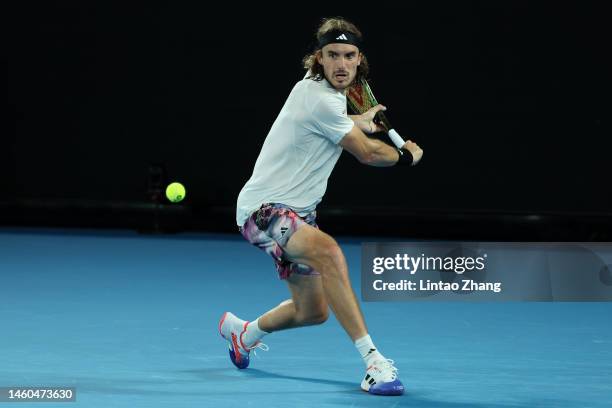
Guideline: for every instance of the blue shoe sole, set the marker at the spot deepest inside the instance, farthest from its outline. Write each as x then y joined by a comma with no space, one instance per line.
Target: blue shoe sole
244,362
390,388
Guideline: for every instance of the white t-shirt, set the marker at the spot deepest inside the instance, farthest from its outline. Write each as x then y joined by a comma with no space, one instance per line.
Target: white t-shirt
299,152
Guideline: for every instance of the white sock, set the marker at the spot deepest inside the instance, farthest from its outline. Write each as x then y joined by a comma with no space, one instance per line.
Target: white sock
367,349
253,333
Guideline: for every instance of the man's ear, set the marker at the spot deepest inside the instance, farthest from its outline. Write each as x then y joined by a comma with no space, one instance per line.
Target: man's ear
319,56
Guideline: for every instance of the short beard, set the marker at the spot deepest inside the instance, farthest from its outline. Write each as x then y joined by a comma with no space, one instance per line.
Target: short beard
341,89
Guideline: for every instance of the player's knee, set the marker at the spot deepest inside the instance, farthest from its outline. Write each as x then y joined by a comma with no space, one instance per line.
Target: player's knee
316,316
320,317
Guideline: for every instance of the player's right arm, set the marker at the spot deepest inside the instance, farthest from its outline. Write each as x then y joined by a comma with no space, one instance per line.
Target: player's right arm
373,152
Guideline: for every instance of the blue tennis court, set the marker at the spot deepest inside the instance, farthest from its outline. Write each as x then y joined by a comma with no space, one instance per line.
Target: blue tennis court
131,321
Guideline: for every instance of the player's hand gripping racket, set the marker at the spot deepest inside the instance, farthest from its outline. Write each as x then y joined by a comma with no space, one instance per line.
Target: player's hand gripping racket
360,99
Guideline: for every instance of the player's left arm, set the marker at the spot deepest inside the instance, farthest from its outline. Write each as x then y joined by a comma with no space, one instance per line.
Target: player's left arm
368,151
371,151
365,121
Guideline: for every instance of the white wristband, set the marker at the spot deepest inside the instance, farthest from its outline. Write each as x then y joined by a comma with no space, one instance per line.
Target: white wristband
396,138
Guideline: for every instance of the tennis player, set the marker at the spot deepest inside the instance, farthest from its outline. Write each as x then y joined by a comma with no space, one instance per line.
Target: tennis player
276,207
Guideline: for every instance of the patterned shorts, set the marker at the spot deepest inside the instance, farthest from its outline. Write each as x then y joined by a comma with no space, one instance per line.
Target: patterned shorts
270,228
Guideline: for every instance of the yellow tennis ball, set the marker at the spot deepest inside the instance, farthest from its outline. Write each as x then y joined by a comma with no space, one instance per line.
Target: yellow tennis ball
175,192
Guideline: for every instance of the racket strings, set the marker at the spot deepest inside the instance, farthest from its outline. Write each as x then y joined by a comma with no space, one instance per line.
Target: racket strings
360,98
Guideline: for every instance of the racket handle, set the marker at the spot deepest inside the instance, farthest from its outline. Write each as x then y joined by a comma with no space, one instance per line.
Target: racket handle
396,138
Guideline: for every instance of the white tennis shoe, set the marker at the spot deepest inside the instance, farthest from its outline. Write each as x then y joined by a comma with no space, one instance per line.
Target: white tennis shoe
231,328
381,379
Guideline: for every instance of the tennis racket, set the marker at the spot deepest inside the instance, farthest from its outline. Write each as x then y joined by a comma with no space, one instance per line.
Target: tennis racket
360,98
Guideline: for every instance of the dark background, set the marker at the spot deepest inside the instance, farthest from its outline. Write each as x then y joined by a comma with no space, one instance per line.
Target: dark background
506,99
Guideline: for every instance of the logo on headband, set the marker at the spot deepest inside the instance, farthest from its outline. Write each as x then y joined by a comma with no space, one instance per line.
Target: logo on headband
339,36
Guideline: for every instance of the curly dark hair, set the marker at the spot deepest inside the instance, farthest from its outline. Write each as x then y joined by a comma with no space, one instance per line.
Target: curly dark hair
329,24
